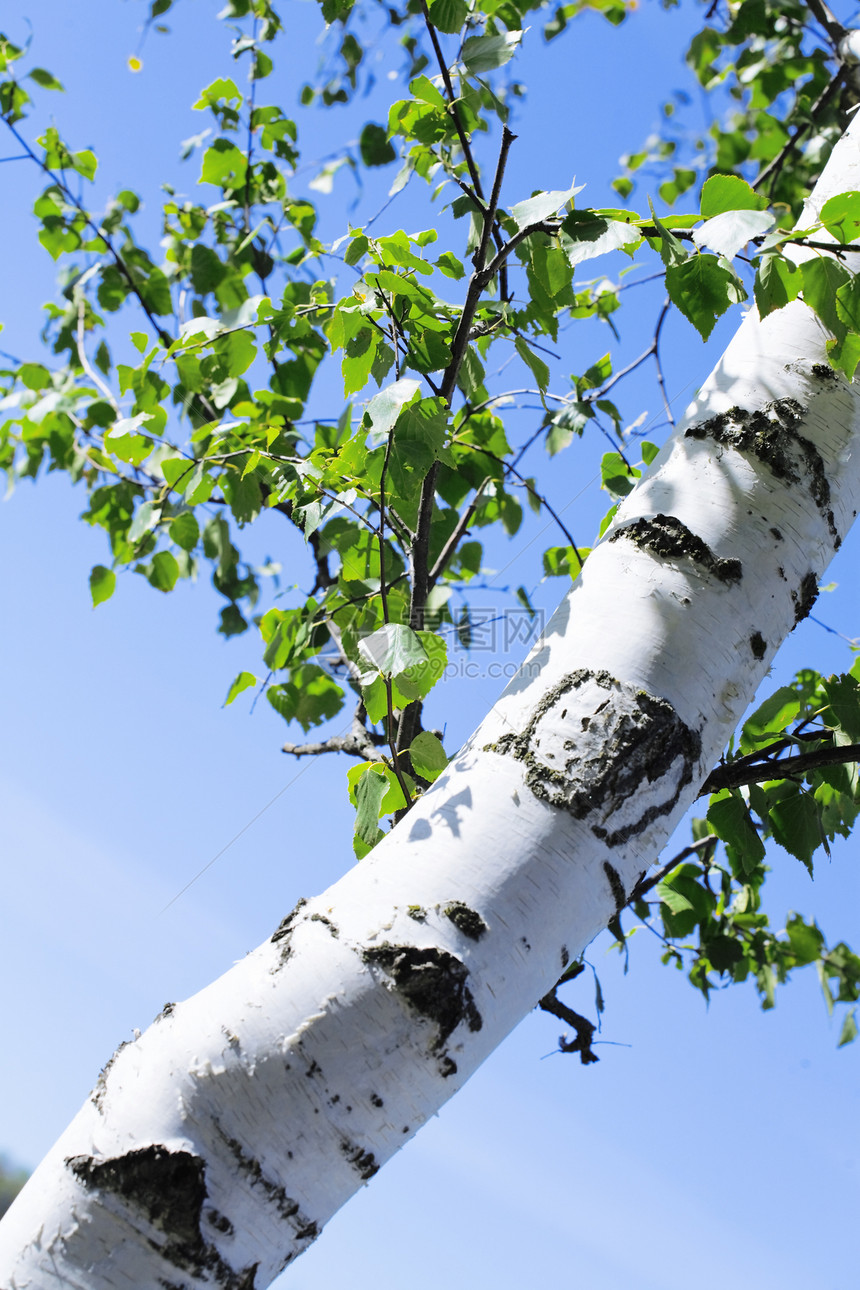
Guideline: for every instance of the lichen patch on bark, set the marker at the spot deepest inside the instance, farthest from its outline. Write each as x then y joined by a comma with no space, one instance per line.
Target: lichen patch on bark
771,435
466,920
670,539
593,741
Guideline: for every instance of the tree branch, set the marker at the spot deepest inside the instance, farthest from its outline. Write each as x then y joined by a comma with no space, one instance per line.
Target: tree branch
584,1028
738,773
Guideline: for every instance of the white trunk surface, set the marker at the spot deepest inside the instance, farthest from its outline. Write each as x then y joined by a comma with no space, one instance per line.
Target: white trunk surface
216,1146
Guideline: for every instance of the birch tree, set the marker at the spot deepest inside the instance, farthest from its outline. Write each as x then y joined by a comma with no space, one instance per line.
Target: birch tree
216,1145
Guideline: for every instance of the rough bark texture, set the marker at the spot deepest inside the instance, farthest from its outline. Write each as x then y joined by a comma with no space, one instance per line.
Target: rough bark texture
216,1146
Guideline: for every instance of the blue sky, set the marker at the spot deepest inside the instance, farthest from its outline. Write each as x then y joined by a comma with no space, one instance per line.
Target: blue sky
716,1145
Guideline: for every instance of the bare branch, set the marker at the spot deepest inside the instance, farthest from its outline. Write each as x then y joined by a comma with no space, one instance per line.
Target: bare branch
584,1028
736,774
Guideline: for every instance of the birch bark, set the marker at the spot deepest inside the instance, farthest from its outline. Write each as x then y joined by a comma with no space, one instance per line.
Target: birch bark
215,1147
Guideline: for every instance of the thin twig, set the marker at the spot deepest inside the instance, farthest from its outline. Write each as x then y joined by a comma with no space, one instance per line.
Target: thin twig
667,304
647,884
85,362
773,168
454,540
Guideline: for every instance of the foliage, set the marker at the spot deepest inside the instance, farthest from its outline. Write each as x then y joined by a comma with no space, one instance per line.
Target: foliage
212,407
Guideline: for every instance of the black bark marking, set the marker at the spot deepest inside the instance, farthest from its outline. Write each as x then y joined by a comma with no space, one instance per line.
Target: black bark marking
363,1162
274,1192
758,645
805,597
641,736
432,982
616,886
670,539
98,1094
376,1100
771,435
167,1187
824,372
466,920
285,928
776,533
565,957
165,1012
327,922
447,1068
220,1222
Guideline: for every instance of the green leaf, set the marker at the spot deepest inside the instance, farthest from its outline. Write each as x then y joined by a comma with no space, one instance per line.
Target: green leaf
771,719
385,407
485,53
222,90
423,88
563,561
841,216
163,571
356,249
539,208
796,826
34,376
729,231
45,79
102,584
588,234
849,1028
822,277
417,681
146,517
370,788
848,304
450,265
537,366
374,146
224,165
843,695
392,648
244,681
777,282
616,476
805,939
703,288
672,251
649,451
185,531
729,193
448,15
729,818
427,756
309,697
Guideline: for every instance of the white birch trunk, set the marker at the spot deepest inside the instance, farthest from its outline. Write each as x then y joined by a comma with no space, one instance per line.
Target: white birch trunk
216,1146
